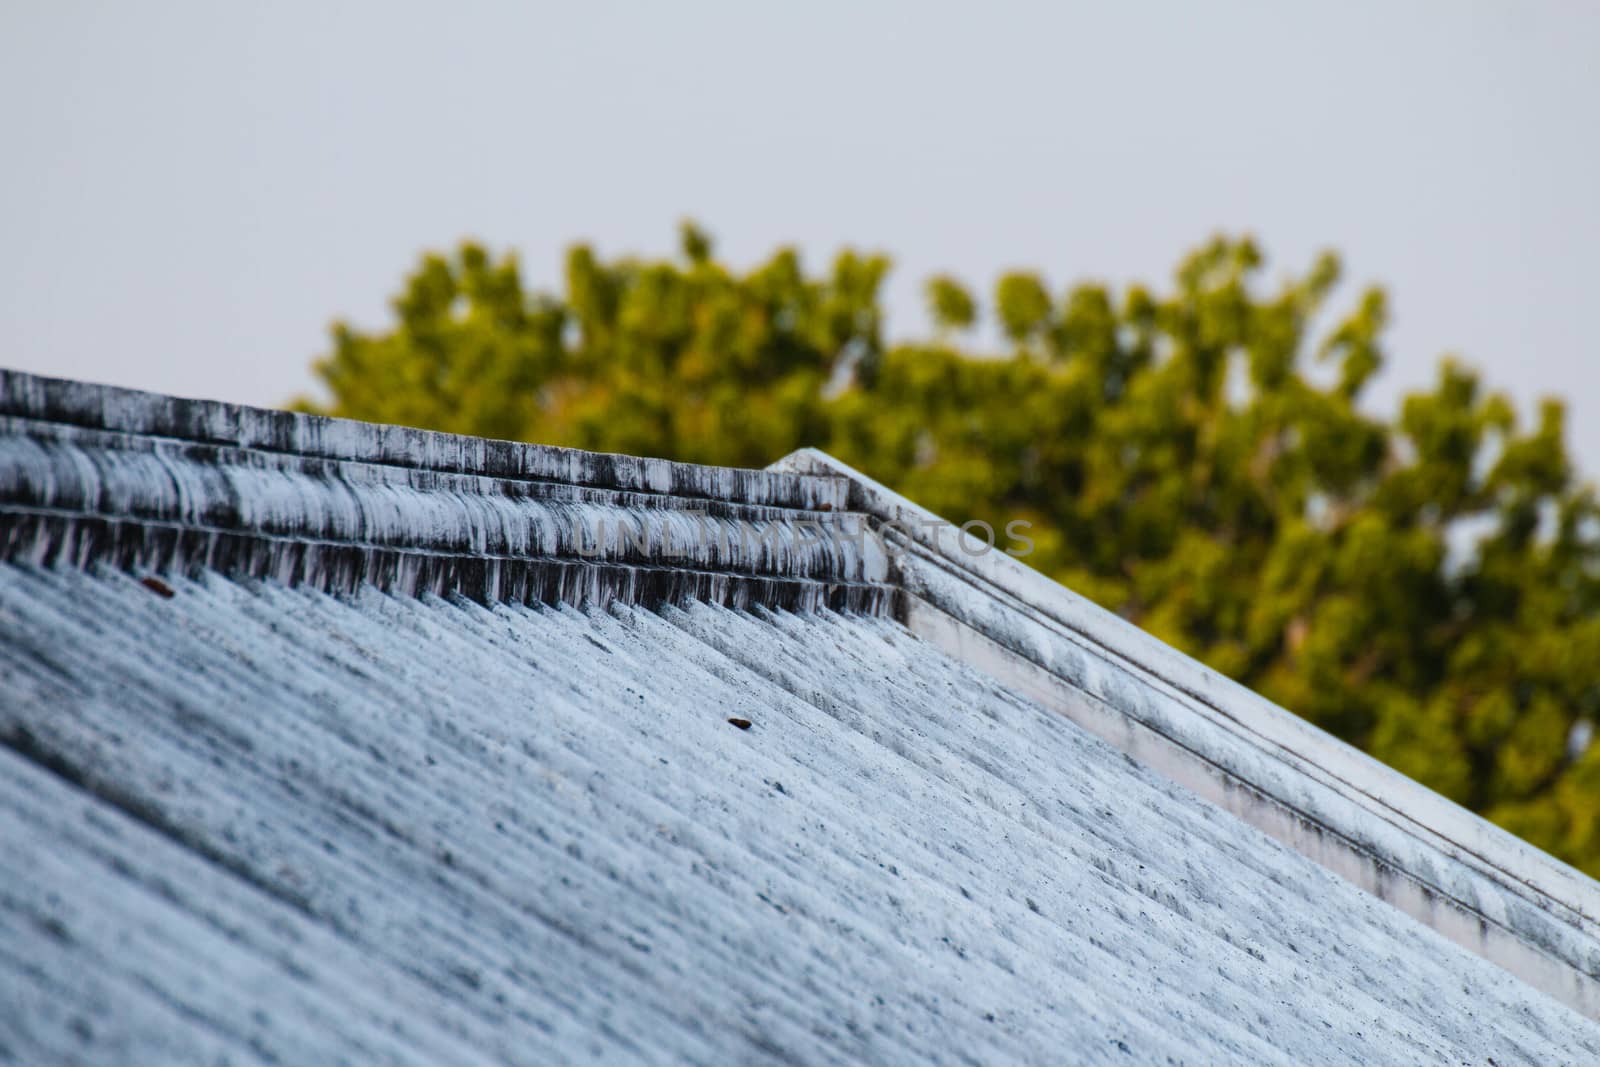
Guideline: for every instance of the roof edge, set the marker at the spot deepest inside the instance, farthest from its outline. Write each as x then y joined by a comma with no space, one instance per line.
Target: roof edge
1453,870
89,405
94,474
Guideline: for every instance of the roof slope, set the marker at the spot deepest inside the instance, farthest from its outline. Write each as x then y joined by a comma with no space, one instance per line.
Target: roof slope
417,750
269,824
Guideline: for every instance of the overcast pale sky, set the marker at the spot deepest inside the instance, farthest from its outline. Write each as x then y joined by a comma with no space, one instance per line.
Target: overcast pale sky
190,193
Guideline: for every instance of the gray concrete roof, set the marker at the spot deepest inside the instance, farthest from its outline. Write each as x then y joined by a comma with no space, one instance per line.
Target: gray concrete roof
324,742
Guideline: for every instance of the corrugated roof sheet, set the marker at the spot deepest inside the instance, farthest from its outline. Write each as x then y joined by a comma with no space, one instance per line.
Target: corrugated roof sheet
329,742
263,824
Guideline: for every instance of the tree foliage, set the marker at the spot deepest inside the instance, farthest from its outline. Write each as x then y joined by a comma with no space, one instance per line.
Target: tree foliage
1194,458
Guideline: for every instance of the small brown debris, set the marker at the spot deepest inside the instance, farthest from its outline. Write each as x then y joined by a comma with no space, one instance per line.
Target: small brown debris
158,587
743,724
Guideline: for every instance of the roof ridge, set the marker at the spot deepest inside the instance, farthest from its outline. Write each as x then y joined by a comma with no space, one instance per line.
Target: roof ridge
93,474
66,402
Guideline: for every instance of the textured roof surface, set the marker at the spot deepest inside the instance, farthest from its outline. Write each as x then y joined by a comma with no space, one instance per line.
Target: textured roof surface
256,823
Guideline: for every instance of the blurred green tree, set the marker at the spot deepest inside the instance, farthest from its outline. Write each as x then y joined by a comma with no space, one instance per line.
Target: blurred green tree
1424,587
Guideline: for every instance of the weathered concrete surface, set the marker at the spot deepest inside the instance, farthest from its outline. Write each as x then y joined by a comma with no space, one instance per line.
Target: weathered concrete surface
1458,873
259,824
